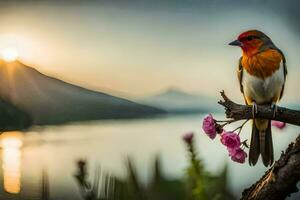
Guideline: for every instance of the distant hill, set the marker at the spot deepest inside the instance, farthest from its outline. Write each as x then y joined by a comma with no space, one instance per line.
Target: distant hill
51,101
176,101
12,118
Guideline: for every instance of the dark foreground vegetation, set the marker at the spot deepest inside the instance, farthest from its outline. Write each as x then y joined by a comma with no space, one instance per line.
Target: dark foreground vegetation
196,184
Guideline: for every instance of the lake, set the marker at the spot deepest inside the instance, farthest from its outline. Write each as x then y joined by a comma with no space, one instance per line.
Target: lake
56,149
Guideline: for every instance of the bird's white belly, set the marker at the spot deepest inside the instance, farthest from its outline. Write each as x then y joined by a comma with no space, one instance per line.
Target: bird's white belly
263,90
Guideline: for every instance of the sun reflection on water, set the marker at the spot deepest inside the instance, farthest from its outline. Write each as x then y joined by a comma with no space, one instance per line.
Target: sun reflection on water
11,143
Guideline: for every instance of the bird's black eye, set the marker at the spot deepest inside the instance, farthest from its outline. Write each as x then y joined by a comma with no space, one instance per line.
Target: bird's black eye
249,38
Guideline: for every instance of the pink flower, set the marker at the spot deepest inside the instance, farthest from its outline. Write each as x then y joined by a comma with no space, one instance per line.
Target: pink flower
232,151
231,140
188,137
278,124
209,126
238,155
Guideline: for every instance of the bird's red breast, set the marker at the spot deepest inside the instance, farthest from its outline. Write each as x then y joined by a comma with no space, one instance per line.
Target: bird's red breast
262,64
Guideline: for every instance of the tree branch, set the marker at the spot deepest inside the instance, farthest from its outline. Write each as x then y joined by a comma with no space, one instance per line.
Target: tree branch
239,112
281,179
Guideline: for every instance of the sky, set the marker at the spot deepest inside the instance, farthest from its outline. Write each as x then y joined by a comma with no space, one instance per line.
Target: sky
138,48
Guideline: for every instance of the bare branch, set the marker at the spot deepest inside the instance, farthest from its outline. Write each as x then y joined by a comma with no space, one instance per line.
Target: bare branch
239,112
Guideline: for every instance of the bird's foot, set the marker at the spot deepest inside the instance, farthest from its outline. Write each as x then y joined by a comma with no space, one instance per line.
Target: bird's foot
254,110
274,107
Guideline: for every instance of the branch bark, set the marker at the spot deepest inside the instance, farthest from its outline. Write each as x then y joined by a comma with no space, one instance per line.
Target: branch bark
281,179
239,112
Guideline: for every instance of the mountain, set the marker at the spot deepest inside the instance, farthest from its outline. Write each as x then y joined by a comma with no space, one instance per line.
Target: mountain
49,100
176,101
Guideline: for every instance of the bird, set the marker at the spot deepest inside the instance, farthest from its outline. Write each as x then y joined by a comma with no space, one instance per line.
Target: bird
262,75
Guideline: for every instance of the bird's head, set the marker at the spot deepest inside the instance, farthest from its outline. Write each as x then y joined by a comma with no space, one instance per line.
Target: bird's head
252,41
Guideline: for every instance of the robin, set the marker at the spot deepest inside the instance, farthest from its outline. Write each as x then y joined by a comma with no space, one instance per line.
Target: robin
262,73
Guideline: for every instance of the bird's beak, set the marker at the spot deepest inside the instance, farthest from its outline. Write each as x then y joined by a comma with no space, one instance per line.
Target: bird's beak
235,43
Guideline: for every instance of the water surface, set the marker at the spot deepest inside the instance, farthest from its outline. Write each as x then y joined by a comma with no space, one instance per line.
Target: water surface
56,149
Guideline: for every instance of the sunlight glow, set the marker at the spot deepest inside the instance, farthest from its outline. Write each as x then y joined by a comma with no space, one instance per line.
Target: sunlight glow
11,163
9,54
11,143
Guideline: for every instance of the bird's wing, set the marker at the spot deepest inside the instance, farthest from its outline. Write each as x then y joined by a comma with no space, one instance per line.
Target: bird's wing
240,71
240,75
284,72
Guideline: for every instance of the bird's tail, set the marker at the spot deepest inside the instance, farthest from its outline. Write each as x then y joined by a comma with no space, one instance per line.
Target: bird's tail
261,142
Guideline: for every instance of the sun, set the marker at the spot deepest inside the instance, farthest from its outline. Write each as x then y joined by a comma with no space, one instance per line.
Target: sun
9,54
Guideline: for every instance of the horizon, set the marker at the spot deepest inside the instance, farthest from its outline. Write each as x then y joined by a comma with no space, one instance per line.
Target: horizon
162,91
116,93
